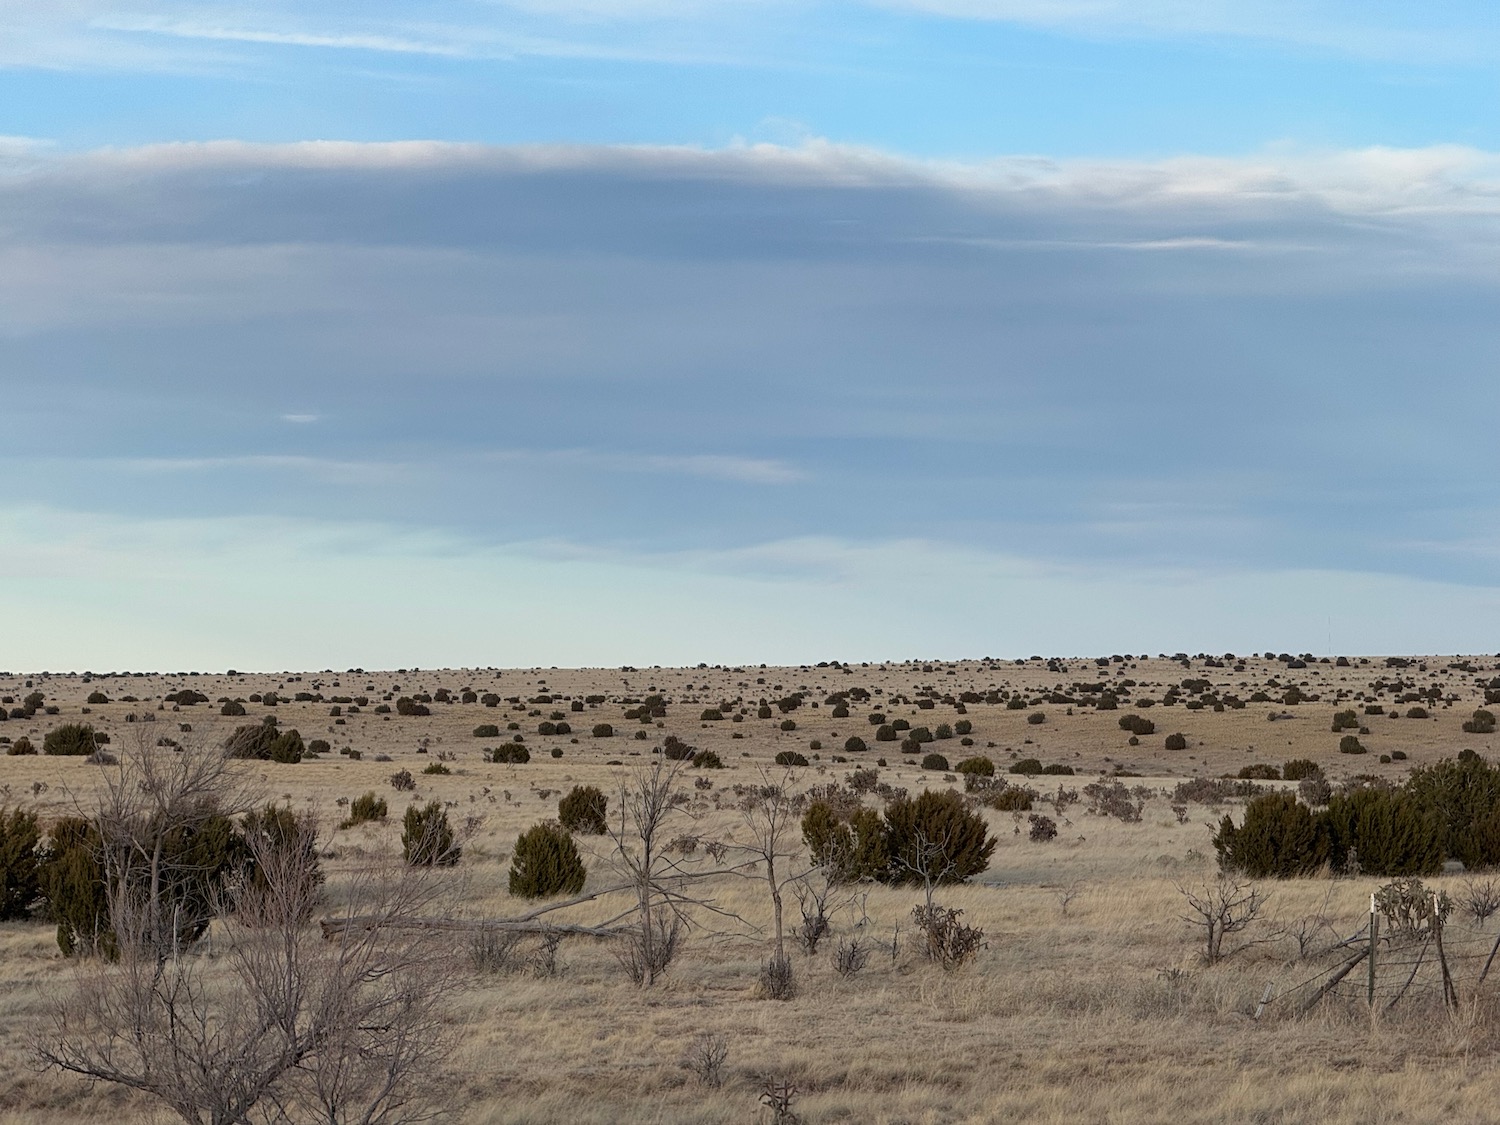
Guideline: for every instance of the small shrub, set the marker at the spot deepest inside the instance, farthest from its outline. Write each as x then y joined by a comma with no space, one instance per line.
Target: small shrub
946,940
712,715
487,730
437,768
1037,718
1259,771
1010,799
402,781
1176,742
584,811
978,766
855,745
935,762
1298,768
1043,828
1028,767
1345,720
1416,713
777,980
603,730
1137,725
963,726
788,724
708,760
790,758
426,837
1350,744
365,808
20,748
1483,722
546,863
511,753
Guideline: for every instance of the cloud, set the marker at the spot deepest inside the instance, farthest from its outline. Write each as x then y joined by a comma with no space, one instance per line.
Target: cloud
185,35
824,365
191,593
300,419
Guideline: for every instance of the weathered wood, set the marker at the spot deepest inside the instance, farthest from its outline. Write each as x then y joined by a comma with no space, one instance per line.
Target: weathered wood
332,927
1333,981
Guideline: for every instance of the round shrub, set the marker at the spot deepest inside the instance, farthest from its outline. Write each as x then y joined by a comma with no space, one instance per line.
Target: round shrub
512,753
546,863
20,747
790,758
936,835
1176,742
707,760
855,745
70,740
944,731
1298,768
887,733
487,730
1259,771
603,730
963,726
788,724
1350,744
978,766
584,810
1013,799
875,718
1027,766
365,808
426,837
901,724
935,762
1037,718
711,715
1416,713
1137,725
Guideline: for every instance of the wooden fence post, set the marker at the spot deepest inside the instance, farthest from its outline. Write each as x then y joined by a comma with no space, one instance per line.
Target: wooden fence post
1374,934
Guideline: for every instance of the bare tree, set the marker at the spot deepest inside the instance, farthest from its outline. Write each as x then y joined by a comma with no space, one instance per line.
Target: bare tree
163,822
281,1026
1223,907
770,812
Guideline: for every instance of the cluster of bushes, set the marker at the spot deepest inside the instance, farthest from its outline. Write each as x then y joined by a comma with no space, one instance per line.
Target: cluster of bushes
546,860
1450,809
200,865
932,836
265,742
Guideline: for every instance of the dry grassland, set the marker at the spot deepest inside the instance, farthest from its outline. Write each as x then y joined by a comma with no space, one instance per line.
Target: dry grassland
1089,1002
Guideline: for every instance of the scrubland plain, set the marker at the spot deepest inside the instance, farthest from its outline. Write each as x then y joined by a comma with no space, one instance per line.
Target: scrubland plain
1089,1001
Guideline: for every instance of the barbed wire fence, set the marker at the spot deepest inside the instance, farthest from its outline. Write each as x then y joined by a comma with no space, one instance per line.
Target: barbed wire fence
1414,946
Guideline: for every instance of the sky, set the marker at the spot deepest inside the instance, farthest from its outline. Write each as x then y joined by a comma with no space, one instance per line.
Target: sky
592,332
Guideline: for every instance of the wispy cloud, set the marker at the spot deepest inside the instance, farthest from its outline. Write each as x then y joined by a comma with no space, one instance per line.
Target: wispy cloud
742,470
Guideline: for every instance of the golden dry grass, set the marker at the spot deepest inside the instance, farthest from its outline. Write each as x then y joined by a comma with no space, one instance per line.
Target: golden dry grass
1094,1010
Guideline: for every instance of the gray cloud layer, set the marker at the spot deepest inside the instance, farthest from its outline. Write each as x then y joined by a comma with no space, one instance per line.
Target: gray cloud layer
1279,363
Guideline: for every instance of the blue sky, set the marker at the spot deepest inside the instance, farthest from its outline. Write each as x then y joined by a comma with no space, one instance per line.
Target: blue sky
604,332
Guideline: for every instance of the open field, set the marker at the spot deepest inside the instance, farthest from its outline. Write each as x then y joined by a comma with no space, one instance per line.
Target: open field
1088,1003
